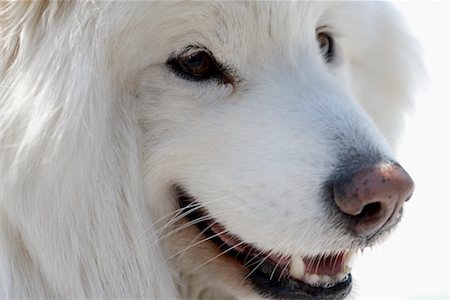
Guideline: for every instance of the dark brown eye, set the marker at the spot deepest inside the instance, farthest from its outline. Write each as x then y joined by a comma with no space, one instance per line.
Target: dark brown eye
198,66
326,45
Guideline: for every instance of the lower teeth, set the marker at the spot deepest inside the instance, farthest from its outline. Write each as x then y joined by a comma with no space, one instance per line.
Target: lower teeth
329,285
341,277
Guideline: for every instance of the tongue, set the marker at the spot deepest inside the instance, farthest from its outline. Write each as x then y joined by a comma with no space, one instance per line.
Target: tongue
329,265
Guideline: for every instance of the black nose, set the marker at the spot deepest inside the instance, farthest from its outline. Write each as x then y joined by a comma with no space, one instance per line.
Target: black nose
373,195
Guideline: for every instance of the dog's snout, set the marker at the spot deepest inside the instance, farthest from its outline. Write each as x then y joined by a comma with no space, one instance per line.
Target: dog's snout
373,196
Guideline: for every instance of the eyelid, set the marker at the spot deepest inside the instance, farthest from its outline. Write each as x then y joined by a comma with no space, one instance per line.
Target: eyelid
190,51
220,72
330,56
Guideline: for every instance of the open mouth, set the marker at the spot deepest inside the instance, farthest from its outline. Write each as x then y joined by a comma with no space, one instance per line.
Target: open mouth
324,276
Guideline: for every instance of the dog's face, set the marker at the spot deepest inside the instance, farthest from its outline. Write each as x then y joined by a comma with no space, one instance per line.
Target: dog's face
256,144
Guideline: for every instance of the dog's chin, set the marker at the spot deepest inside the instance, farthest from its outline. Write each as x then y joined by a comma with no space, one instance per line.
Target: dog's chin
244,270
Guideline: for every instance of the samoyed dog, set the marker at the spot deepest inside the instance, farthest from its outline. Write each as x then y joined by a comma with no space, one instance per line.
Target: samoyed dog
199,150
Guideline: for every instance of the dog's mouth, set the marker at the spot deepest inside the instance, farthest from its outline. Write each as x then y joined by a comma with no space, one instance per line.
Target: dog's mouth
324,276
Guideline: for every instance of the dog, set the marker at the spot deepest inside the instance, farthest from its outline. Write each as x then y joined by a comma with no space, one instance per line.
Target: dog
201,150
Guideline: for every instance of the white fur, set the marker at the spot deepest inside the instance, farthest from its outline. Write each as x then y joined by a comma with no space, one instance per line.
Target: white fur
95,130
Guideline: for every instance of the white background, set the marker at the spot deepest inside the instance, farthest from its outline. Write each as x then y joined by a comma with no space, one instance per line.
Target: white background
414,262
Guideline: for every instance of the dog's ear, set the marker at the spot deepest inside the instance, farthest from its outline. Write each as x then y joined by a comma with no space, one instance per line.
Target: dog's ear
385,64
71,186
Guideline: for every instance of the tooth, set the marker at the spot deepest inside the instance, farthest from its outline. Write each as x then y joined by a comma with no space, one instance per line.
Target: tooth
350,259
297,267
347,270
312,279
341,277
324,279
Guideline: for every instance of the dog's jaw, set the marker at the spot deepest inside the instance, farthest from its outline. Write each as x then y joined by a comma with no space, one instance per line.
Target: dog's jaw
225,256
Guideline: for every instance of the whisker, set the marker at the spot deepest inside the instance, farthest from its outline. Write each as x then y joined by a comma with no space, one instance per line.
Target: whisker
191,207
249,263
318,263
201,233
284,269
335,260
217,256
178,214
172,232
255,268
185,211
251,250
311,261
184,226
276,266
193,245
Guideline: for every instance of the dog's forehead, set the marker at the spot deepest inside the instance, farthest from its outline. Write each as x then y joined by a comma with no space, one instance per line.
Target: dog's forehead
250,28
242,21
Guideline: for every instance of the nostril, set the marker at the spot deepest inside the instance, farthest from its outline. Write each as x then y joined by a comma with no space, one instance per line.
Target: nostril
371,210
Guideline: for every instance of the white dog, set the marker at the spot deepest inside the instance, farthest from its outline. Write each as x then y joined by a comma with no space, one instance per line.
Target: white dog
197,149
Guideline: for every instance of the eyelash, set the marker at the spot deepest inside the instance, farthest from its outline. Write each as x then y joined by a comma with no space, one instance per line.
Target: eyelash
198,65
330,52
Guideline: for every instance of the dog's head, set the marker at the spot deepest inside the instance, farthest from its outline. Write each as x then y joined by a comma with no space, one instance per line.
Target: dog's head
258,143
265,132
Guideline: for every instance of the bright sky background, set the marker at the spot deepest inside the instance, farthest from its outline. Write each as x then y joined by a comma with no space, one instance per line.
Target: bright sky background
414,262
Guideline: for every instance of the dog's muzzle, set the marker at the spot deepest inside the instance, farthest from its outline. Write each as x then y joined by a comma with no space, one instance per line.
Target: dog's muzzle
368,197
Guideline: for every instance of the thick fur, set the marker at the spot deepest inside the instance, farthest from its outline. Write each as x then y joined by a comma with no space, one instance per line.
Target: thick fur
96,130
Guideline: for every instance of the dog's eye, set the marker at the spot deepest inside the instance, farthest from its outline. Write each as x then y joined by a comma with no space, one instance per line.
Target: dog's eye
326,45
199,66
